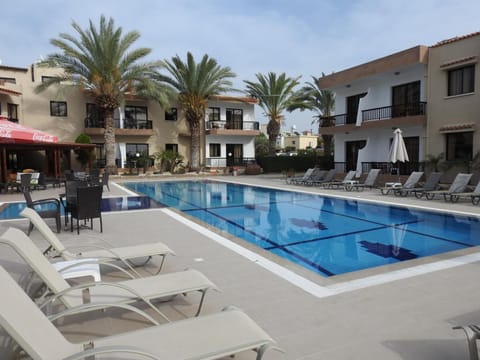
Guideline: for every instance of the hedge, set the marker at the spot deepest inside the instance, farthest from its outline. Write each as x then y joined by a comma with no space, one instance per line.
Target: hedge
271,164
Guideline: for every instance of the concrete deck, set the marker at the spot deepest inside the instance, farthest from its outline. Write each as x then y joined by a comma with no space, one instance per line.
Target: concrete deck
366,315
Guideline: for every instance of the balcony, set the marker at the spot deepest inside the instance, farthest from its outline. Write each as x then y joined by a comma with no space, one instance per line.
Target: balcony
396,115
219,162
130,127
248,128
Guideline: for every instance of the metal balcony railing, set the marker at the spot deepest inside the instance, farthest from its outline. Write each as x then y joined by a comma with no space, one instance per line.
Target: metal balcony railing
127,124
232,125
380,113
223,162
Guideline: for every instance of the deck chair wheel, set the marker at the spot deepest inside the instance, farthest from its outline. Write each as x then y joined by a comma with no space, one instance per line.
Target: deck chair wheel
475,200
429,196
348,187
385,191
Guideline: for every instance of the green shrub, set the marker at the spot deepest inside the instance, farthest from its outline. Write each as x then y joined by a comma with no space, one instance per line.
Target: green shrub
299,163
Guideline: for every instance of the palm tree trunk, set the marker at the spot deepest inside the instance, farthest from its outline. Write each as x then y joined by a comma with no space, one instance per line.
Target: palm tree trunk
327,144
273,129
110,167
195,145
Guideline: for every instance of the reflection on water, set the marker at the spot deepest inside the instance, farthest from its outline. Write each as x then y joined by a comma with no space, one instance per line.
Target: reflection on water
327,235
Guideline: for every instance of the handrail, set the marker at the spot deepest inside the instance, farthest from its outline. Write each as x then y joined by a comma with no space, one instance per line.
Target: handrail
232,125
379,113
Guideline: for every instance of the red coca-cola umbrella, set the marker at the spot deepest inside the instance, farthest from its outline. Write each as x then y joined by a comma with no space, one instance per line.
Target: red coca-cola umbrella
11,132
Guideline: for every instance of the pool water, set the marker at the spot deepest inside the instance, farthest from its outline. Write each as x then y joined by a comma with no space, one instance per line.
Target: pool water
12,210
328,235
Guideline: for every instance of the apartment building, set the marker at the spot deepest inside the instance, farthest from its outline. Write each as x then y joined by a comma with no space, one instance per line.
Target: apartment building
454,98
430,93
300,141
141,126
372,100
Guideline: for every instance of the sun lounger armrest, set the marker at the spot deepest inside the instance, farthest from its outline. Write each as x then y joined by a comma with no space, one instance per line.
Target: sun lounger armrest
472,333
99,262
92,306
141,354
102,283
113,253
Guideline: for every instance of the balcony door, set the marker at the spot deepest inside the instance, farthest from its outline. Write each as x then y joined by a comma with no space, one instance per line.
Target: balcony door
406,99
234,119
352,107
234,154
351,153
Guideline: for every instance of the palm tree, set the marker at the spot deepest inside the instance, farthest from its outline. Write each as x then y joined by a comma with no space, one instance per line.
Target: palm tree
275,94
322,102
101,63
195,83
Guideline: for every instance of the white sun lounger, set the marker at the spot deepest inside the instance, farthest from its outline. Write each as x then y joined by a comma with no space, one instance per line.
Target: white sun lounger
123,254
207,337
103,294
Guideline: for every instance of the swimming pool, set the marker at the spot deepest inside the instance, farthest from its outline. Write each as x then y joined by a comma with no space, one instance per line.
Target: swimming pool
121,203
330,236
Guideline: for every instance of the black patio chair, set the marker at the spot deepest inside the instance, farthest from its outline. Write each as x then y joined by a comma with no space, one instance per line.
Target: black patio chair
69,198
48,208
87,206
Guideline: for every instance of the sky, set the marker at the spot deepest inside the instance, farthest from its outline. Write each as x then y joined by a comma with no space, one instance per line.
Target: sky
300,38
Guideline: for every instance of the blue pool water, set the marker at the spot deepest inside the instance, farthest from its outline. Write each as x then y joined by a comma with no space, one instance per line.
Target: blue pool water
12,210
327,235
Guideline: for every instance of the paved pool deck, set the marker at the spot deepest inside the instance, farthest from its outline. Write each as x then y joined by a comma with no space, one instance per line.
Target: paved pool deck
405,311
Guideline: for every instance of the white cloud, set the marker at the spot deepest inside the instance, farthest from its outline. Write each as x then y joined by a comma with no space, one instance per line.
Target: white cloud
305,37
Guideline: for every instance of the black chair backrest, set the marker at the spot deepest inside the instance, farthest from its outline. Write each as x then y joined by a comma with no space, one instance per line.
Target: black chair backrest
25,181
89,201
71,189
69,175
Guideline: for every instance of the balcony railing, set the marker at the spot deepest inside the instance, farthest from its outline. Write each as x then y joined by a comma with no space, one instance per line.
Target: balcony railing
224,162
233,125
127,124
390,112
381,113
386,167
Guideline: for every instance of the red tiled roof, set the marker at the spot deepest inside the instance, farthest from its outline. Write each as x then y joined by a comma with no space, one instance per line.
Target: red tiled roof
456,38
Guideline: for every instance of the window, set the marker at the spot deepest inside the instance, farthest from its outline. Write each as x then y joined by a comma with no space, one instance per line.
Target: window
461,80
45,78
234,118
459,146
213,114
58,108
8,80
94,118
215,150
171,147
171,115
100,156
12,112
135,117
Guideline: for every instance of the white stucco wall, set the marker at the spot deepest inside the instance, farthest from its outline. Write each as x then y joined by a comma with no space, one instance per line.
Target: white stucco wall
379,88
379,142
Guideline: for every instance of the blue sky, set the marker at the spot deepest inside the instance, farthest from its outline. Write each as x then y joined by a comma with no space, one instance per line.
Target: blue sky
300,38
